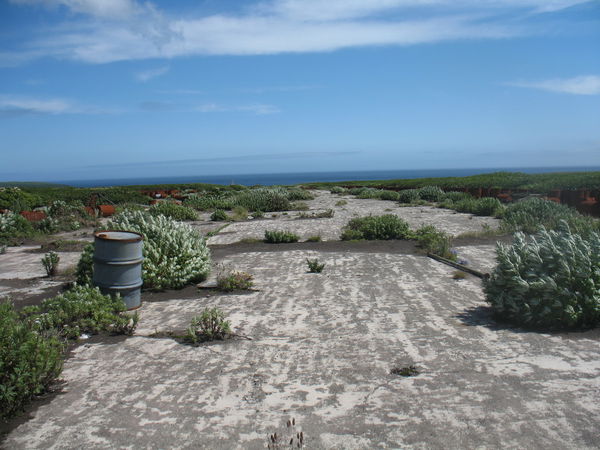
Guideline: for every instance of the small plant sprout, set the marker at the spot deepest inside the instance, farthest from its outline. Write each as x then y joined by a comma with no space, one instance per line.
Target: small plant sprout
314,266
50,262
210,325
408,371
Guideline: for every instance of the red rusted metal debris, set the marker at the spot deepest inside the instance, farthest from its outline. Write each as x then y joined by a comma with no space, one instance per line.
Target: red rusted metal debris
34,216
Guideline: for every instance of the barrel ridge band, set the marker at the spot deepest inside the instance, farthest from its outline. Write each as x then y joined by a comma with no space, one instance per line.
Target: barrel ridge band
123,262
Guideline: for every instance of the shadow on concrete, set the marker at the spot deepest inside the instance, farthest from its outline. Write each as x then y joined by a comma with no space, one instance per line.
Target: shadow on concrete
484,316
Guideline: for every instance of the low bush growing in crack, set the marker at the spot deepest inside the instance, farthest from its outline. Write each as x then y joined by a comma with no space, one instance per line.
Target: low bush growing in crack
435,241
314,266
81,310
231,280
210,325
50,262
384,227
280,237
219,215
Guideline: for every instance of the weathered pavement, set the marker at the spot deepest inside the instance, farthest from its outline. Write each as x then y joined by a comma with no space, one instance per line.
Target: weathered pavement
322,349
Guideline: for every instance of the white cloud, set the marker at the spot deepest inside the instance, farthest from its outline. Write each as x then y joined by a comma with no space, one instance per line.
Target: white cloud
20,105
113,9
147,75
582,85
12,106
129,30
258,109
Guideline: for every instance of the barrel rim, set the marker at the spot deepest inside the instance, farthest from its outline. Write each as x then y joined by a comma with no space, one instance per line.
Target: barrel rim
99,235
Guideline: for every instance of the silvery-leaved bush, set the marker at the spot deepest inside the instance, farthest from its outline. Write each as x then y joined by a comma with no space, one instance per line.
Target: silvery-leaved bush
551,280
175,254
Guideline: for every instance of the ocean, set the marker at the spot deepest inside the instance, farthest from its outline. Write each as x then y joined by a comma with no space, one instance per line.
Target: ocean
269,179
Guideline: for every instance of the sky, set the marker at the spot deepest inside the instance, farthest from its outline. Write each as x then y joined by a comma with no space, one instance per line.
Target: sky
99,89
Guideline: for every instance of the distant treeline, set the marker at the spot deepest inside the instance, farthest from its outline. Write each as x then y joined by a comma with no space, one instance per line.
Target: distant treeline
541,183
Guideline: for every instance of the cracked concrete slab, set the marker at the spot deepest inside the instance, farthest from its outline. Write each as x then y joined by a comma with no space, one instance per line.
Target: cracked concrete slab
321,351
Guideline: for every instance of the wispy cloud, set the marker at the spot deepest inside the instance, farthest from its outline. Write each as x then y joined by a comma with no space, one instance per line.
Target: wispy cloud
258,109
147,75
13,106
16,106
113,9
127,30
263,89
252,157
180,92
582,85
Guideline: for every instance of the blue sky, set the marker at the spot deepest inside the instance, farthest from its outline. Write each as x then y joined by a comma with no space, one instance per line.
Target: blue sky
121,88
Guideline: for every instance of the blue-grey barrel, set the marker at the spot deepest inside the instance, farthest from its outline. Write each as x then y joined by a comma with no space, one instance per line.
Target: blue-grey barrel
118,265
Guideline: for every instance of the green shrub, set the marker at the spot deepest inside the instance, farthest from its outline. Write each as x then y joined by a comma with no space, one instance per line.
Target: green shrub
30,360
431,193
315,238
389,195
18,200
383,227
173,211
369,193
209,201
231,280
175,254
408,196
488,206
314,266
528,215
435,241
82,309
280,237
338,190
341,203
467,205
50,262
258,214
551,280
219,215
456,196
294,194
356,191
263,199
12,227
210,325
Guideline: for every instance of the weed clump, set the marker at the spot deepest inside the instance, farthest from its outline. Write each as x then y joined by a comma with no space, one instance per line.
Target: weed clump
50,262
229,280
210,325
435,241
384,227
219,215
314,266
280,237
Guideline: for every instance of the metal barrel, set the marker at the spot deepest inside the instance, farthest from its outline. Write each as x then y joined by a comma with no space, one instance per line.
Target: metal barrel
118,265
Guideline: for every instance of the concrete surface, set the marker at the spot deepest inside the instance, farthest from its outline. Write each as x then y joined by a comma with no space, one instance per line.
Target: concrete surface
322,349
330,229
